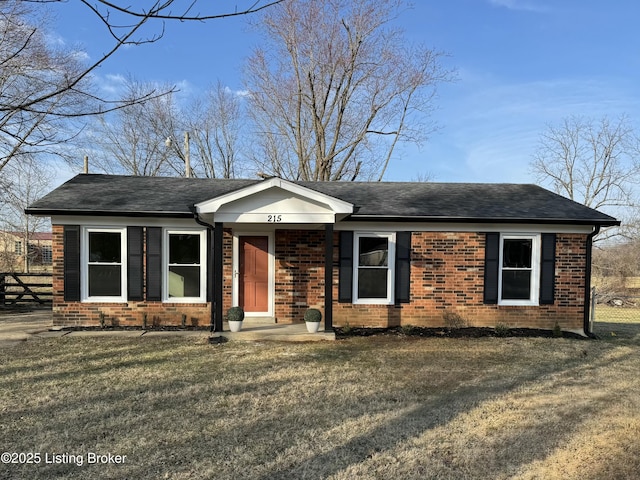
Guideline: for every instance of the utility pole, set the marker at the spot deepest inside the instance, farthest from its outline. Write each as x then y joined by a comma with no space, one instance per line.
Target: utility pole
187,156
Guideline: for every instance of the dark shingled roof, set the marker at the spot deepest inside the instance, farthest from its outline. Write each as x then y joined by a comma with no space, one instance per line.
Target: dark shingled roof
470,202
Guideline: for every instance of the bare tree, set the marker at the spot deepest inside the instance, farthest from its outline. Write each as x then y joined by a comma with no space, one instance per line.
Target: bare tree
334,89
147,138
29,121
423,177
593,162
133,140
616,268
24,182
137,24
215,125
40,86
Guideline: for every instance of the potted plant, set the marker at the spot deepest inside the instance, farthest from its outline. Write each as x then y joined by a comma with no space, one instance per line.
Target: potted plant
235,316
312,318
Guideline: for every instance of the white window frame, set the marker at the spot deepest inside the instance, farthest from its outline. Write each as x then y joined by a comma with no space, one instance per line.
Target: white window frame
391,258
202,298
84,265
534,293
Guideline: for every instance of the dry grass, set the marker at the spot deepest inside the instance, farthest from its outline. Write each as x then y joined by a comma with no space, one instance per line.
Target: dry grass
365,408
618,315
632,282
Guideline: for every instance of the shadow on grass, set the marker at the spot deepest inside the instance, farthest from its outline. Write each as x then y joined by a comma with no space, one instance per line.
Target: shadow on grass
435,411
181,410
629,331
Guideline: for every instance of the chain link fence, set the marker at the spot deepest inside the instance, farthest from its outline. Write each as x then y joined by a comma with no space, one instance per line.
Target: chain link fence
614,308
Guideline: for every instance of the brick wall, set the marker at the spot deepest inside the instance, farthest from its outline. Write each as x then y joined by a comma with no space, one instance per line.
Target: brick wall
299,273
447,278
122,314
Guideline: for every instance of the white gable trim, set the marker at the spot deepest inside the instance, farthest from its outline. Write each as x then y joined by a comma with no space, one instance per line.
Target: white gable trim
321,207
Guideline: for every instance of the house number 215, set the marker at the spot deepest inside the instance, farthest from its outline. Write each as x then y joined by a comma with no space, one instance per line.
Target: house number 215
274,218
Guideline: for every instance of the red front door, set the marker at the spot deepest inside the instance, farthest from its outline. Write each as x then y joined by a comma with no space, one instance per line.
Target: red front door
254,274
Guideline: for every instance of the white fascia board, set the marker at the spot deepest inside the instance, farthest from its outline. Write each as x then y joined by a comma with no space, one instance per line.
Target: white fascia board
462,227
345,225
123,221
336,205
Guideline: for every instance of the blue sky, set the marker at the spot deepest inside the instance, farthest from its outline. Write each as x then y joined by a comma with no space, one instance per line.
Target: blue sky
522,64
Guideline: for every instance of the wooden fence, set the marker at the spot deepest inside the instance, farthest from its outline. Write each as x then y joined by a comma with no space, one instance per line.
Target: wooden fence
18,289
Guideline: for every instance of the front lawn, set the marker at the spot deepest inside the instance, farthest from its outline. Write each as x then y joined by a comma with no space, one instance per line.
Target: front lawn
388,407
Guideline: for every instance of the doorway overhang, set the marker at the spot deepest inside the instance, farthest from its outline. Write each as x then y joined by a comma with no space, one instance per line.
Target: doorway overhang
275,201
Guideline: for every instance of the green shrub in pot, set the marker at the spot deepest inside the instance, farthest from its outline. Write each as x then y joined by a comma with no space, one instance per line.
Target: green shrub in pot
312,319
235,316
312,315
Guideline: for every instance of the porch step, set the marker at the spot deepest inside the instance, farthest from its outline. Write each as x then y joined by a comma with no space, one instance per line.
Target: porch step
259,321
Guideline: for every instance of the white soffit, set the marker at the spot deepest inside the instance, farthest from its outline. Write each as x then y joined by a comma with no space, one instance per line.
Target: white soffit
275,201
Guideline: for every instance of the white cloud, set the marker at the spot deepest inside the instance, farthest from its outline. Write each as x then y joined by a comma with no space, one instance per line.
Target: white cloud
81,55
111,84
521,5
54,39
490,128
239,93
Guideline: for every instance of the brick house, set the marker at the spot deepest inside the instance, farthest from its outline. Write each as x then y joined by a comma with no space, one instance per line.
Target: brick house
366,254
18,248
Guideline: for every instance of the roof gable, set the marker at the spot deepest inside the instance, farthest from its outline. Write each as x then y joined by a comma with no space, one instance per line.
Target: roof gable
275,200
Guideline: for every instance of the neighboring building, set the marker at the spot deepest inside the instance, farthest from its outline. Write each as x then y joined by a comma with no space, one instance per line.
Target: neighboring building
366,254
15,245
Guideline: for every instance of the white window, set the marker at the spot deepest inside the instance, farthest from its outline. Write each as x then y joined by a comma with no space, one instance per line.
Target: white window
18,247
104,271
374,255
519,270
185,260
47,257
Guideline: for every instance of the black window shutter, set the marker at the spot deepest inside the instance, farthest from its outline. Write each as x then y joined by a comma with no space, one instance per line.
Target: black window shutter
547,269
345,271
403,267
135,285
154,263
491,267
72,263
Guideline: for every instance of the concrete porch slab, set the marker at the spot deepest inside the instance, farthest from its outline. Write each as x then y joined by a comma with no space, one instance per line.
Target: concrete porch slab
18,327
275,332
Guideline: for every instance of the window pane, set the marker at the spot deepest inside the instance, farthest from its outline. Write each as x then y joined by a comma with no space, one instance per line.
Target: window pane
184,281
184,248
516,284
105,281
372,283
517,253
373,251
104,247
